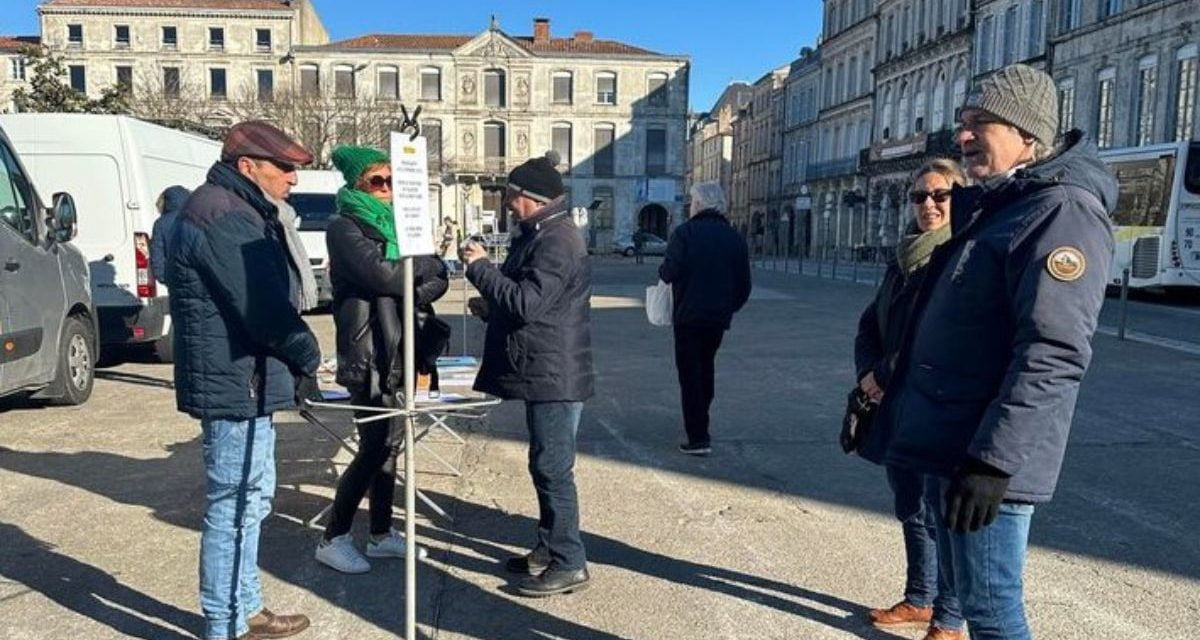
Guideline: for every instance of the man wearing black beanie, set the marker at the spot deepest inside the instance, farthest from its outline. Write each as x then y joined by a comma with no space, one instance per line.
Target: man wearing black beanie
538,348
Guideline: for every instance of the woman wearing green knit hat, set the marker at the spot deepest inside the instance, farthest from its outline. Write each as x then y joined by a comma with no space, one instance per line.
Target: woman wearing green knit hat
368,287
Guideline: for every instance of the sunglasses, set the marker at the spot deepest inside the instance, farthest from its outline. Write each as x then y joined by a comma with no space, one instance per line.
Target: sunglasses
282,166
379,182
939,196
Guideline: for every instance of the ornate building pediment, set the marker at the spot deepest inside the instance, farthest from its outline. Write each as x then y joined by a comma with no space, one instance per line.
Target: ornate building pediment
493,46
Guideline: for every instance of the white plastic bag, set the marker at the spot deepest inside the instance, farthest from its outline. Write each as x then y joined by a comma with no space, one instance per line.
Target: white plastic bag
659,304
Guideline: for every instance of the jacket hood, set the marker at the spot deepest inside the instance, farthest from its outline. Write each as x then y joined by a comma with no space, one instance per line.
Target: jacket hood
1078,163
174,198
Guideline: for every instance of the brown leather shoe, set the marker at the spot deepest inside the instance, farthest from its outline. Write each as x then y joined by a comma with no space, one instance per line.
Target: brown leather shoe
269,625
937,633
902,615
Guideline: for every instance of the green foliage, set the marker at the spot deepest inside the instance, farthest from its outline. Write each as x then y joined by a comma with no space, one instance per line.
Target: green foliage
49,90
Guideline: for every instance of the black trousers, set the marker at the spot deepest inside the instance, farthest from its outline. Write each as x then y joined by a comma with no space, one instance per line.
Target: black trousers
695,358
365,475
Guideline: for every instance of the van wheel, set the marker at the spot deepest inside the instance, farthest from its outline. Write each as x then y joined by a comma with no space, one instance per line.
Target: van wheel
76,362
628,252
164,347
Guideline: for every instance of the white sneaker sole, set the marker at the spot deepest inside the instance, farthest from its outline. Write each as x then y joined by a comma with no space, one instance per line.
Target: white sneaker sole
376,553
342,569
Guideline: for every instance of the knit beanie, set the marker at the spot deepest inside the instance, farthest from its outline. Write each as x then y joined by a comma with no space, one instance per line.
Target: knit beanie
537,178
1022,96
354,161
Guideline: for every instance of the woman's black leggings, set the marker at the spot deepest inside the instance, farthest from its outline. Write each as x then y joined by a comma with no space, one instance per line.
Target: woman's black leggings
365,473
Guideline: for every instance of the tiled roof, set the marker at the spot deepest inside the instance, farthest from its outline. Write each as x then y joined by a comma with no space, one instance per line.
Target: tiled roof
449,42
16,43
243,5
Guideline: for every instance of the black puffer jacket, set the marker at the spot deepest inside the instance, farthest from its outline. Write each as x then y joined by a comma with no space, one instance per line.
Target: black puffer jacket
238,337
368,292
539,338
708,267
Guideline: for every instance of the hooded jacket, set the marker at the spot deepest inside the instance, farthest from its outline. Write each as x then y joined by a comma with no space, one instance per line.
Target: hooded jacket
991,366
173,200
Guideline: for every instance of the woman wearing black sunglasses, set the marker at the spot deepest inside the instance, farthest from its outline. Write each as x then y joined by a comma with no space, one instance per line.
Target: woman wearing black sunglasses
880,330
368,285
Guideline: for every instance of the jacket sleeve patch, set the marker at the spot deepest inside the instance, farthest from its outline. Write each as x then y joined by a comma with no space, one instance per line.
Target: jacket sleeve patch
1066,264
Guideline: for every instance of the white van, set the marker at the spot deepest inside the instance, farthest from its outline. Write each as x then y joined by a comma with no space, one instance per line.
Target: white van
315,200
116,167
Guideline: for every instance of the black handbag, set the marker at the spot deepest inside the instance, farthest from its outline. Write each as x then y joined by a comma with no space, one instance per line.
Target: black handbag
433,338
860,412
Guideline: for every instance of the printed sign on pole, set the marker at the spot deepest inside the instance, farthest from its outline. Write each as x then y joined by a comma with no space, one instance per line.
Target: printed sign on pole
410,195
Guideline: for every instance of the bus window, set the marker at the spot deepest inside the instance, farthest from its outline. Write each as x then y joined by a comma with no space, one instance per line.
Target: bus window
1144,191
1191,172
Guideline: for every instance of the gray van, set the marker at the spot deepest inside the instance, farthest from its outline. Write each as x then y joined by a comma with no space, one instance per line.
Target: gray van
47,321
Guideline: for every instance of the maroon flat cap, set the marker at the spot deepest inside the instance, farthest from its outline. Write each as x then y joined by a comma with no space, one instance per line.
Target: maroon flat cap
259,139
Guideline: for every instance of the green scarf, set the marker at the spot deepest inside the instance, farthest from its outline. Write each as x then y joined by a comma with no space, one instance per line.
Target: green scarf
915,249
372,212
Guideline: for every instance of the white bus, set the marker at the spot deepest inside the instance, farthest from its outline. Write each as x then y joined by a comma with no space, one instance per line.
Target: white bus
1157,219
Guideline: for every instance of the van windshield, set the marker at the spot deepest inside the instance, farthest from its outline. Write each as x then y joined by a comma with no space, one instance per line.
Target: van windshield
315,209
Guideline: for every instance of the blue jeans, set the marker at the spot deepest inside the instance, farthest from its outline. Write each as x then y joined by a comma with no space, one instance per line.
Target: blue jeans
552,429
985,569
916,503
239,460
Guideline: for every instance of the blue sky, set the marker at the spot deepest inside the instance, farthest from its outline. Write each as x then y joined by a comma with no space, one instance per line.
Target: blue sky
727,41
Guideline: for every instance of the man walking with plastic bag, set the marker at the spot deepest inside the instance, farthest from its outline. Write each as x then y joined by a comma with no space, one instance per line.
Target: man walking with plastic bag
708,267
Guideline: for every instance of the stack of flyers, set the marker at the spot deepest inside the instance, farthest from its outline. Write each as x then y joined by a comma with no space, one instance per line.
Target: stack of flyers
457,371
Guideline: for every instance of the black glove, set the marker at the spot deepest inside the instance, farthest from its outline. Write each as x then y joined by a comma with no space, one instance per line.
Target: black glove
974,496
308,390
860,413
478,307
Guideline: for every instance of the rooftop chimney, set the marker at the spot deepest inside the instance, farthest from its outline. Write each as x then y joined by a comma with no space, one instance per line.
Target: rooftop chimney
584,36
541,30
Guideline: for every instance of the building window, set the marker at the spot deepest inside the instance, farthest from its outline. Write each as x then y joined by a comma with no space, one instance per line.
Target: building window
1105,107
937,117
78,78
431,84
216,84
1068,15
919,108
170,38
1147,88
343,82
1066,105
346,132
606,87
885,117
171,83
74,35
1185,92
656,151
310,80
828,88
656,90
563,89
494,148
603,153
216,38
432,130
494,89
266,85
602,214
1036,41
1109,8
560,141
904,28
16,68
121,36
388,79
986,38
1010,36
262,40
904,112
852,79
125,80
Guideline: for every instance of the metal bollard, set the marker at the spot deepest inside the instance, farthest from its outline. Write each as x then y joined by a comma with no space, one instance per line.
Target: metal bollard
853,266
835,263
1124,303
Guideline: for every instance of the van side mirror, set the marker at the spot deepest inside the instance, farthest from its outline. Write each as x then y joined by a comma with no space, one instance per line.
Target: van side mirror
63,217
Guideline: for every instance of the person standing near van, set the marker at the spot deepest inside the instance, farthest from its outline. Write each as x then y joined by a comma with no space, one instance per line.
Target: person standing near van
242,352
170,205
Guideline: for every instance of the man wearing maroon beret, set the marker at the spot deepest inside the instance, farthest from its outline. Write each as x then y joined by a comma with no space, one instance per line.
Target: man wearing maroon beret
242,352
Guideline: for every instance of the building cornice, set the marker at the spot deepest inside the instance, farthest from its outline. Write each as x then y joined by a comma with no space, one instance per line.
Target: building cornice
1114,20
283,14
943,46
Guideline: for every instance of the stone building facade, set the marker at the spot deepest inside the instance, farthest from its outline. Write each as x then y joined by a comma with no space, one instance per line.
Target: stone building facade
616,114
764,121
802,89
711,139
921,77
14,67
1127,75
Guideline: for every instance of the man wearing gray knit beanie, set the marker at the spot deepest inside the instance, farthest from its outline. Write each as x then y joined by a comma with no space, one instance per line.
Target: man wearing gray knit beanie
990,373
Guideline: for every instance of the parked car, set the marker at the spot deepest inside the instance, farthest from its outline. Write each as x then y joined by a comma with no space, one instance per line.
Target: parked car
652,245
315,200
116,167
47,322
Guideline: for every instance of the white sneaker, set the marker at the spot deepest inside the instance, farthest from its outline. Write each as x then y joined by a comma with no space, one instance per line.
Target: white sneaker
391,547
341,555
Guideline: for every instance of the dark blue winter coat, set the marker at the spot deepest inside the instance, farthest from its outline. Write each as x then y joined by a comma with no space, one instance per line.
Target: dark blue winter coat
238,336
173,200
708,267
1004,318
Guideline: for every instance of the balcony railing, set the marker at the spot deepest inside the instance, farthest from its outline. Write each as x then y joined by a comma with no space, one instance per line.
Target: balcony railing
834,168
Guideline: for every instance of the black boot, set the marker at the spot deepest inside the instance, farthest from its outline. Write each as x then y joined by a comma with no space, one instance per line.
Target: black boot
531,564
552,582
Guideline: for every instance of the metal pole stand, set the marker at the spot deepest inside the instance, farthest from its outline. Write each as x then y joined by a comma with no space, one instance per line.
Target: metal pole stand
1124,303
